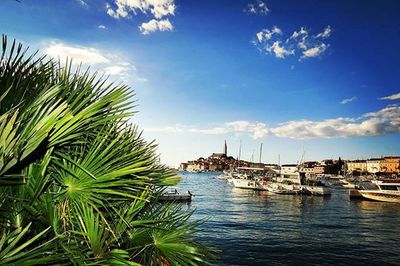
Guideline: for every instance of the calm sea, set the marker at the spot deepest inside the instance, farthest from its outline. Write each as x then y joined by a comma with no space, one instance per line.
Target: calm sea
259,228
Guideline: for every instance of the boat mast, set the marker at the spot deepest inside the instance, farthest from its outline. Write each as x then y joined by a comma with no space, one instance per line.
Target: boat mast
240,151
279,164
260,153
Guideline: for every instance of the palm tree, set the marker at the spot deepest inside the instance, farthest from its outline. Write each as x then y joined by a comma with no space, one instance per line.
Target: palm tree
78,184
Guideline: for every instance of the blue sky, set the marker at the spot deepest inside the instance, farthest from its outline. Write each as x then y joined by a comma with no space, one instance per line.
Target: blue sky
293,75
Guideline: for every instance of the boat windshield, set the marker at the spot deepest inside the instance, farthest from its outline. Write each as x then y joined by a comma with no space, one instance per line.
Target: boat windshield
389,187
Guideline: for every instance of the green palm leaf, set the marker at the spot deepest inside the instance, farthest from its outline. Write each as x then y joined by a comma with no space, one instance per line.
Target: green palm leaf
78,184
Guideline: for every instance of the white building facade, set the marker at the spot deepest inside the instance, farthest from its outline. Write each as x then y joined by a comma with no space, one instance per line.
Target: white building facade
374,165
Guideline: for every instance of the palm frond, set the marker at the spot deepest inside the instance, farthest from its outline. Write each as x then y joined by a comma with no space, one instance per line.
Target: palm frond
18,249
78,183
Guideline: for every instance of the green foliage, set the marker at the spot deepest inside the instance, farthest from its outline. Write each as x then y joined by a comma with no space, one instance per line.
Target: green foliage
78,184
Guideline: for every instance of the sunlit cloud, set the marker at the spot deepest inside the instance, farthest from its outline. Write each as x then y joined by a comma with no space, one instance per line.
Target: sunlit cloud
258,8
395,96
300,43
79,54
348,100
381,122
314,51
155,25
157,8
82,3
104,62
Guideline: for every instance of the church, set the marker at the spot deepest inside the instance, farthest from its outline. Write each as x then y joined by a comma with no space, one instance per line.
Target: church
222,155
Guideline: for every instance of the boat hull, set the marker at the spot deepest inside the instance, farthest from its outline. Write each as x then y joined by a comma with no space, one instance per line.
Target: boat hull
246,184
378,195
316,190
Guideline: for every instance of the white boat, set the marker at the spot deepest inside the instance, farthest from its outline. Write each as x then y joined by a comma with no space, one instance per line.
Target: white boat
388,191
298,183
249,178
248,183
316,190
279,188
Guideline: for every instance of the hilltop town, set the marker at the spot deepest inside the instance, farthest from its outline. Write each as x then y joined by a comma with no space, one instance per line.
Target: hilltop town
386,165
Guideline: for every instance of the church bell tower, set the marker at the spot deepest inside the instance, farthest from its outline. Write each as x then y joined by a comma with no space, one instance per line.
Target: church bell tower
225,149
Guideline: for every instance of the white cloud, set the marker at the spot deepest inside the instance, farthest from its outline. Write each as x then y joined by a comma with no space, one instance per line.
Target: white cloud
120,69
314,51
348,100
308,46
158,8
175,129
259,8
278,50
381,122
302,35
156,25
395,96
102,27
105,63
267,34
141,79
302,32
79,54
211,131
325,34
255,129
82,3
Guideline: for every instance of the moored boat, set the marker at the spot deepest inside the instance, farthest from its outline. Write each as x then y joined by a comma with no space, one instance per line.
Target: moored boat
250,178
246,183
279,188
388,191
175,196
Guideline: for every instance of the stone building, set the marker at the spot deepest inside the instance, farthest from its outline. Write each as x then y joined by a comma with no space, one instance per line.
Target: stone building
390,164
356,165
374,165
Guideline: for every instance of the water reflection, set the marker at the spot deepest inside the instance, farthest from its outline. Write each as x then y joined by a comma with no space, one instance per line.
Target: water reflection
256,227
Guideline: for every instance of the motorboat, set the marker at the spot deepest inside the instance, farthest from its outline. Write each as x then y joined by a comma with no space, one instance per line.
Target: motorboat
387,190
279,188
250,178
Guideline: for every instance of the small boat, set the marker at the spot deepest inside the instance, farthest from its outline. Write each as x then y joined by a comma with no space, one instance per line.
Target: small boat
247,183
388,191
315,190
174,196
249,178
283,189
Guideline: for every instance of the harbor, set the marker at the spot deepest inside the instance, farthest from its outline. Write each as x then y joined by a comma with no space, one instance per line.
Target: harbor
292,229
192,133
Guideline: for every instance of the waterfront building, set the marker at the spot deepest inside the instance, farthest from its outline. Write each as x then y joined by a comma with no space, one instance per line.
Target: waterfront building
374,165
319,169
357,165
183,167
288,168
390,164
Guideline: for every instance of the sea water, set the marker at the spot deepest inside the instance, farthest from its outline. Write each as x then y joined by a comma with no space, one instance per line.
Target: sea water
260,228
